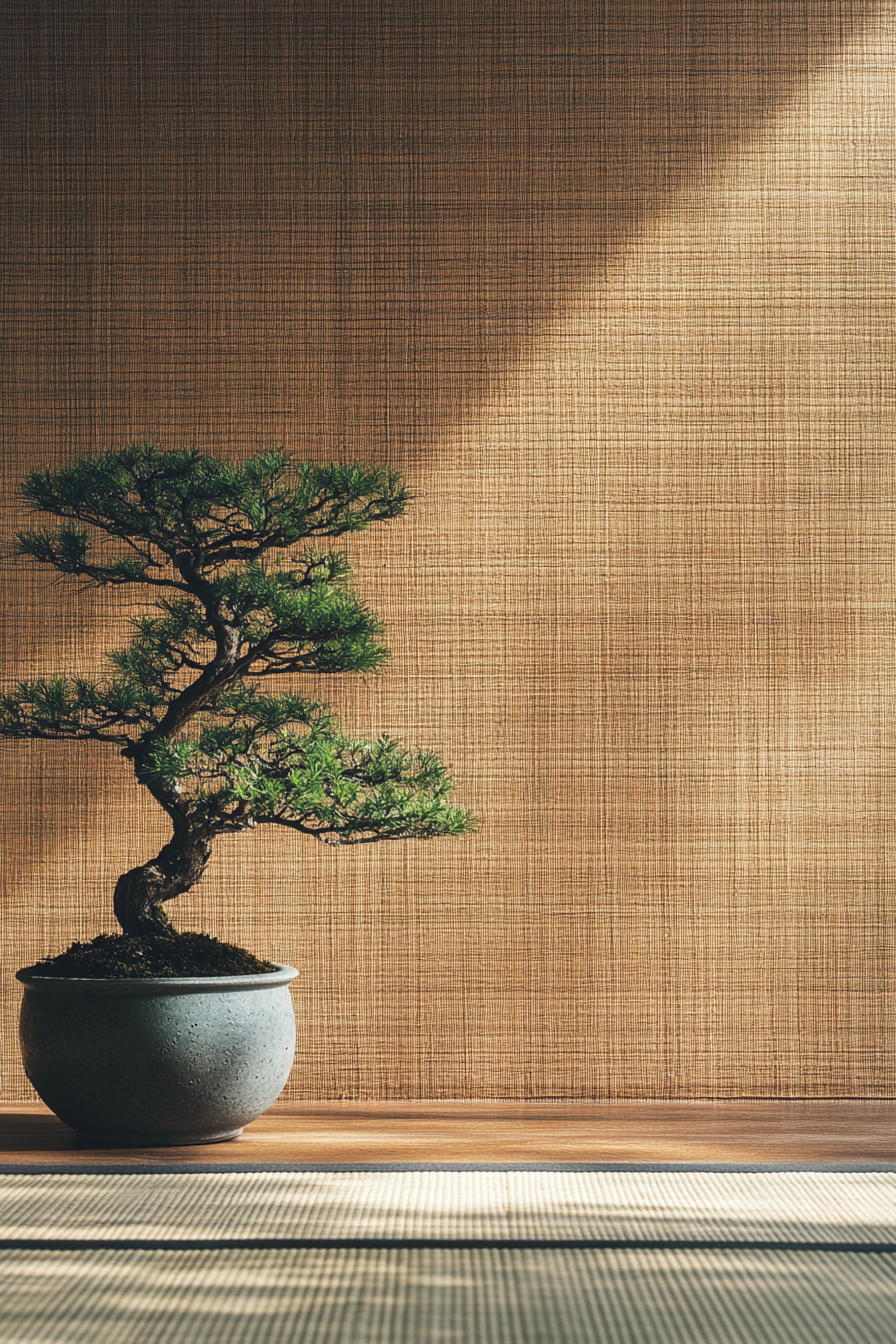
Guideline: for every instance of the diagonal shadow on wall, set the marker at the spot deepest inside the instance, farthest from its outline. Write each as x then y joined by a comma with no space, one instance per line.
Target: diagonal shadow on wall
344,219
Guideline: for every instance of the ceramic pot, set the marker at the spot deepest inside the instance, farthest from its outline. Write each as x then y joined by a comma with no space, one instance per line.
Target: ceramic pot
158,1062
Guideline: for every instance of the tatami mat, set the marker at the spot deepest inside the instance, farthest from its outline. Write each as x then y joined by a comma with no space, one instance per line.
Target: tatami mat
430,1257
753,1207
442,1296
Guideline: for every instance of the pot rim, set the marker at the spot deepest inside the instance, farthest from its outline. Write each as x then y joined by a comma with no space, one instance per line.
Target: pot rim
155,985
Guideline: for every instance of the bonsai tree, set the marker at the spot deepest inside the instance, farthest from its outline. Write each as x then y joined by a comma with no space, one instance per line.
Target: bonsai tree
234,603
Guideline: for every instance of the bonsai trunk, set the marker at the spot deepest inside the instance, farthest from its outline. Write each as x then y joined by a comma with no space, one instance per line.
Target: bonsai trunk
177,867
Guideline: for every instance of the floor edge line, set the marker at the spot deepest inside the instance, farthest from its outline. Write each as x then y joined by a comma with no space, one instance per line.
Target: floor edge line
244,1168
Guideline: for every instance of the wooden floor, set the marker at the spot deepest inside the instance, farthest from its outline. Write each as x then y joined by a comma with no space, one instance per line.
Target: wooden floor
364,1132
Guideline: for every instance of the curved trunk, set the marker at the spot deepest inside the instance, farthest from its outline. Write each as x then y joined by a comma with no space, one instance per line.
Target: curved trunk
139,893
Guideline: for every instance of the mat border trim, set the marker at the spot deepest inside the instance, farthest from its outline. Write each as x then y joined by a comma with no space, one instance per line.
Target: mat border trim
441,1243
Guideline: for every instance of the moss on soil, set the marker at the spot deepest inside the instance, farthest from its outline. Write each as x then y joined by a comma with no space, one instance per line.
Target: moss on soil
120,957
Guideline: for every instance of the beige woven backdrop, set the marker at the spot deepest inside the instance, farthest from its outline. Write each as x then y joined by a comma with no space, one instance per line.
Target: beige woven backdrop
613,283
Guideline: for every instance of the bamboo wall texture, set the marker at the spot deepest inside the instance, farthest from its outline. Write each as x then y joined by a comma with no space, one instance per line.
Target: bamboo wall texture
613,283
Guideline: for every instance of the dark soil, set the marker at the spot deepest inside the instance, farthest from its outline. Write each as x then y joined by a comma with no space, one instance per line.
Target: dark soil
120,957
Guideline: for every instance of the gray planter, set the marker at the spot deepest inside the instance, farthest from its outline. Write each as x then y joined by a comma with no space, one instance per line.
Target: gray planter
152,1062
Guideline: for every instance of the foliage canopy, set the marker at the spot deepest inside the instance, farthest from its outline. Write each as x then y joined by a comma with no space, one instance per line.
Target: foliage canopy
234,602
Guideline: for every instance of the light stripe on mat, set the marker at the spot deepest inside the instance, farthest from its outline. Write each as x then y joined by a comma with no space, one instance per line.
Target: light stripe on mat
439,1296
852,1208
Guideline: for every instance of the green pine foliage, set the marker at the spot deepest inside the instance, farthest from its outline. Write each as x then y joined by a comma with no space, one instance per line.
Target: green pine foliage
236,600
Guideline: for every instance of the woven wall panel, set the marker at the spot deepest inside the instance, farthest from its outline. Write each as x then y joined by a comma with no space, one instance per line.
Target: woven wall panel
613,284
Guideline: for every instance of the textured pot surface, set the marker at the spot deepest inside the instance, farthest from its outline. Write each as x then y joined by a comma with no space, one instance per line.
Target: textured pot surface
158,1061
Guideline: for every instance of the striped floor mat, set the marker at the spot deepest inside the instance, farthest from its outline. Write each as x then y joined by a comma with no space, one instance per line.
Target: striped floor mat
427,1257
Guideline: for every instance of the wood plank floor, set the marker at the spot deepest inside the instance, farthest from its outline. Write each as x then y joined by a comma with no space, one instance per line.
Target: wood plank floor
445,1131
